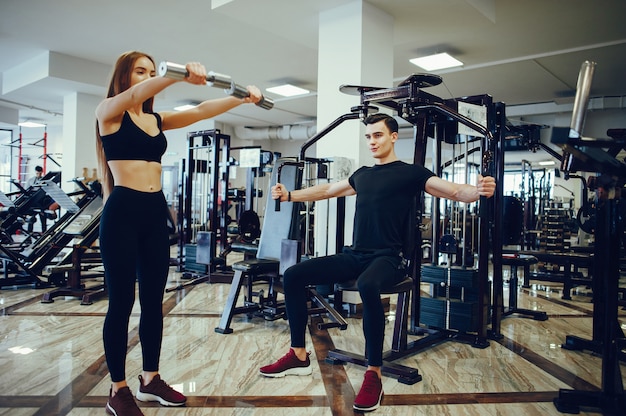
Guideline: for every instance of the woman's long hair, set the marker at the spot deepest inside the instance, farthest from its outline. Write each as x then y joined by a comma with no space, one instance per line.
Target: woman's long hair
120,81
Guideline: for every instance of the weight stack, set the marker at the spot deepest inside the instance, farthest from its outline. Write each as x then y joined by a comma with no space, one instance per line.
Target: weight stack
463,296
191,264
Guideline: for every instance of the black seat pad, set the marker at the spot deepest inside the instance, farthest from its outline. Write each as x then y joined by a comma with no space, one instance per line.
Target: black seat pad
521,260
403,286
257,266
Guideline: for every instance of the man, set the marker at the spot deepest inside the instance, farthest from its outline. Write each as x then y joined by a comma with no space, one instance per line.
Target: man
385,194
38,174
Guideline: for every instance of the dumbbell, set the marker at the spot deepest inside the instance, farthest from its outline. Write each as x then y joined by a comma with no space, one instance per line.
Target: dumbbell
177,71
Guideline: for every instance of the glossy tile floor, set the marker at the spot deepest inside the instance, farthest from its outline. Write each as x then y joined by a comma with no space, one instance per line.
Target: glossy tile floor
52,363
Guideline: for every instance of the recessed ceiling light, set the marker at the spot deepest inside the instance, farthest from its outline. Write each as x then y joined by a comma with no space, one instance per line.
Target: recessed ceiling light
31,124
288,90
547,163
435,62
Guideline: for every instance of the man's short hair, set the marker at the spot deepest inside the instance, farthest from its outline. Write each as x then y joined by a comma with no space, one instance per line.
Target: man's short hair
390,122
38,169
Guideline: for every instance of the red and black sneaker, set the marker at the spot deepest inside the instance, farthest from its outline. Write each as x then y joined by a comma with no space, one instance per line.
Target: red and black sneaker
288,365
371,393
122,404
159,391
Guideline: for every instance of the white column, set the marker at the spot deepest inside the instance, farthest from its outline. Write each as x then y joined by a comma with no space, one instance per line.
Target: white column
355,48
79,137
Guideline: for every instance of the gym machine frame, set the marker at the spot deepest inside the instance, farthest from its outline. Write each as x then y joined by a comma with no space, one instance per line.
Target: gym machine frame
581,153
218,147
419,108
422,110
32,260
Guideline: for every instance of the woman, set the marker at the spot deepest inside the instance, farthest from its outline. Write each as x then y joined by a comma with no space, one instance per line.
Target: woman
134,239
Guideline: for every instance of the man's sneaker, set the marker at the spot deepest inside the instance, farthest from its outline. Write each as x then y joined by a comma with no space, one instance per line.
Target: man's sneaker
159,391
289,365
122,404
371,393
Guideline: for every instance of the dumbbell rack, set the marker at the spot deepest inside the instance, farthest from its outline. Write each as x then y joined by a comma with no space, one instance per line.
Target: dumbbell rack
555,233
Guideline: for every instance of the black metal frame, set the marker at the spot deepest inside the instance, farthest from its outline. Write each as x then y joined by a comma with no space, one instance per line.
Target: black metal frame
423,109
589,155
31,260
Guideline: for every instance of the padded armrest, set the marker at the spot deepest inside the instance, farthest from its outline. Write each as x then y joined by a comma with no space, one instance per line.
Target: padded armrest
241,247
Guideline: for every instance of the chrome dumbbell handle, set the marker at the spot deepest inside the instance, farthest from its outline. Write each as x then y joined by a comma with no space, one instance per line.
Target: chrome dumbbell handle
215,79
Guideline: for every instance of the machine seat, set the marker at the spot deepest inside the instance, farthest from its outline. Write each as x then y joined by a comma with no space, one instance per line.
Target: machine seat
257,266
404,286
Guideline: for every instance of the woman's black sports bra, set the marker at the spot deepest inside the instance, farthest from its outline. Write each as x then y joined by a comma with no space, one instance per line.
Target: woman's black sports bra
132,143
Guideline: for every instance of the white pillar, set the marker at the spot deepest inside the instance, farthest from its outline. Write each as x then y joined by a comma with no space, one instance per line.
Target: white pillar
79,138
355,48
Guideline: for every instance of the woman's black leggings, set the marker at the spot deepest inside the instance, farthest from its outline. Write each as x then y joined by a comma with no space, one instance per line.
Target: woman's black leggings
134,243
373,271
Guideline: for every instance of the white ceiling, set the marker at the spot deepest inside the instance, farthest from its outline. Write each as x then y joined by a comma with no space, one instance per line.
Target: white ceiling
520,52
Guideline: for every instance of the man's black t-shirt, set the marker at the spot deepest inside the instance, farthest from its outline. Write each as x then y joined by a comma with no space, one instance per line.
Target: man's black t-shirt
384,196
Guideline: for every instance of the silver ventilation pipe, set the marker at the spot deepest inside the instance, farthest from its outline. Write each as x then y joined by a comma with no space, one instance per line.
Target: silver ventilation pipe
297,132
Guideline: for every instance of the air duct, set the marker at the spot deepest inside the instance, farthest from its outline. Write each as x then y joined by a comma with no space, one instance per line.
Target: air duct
298,132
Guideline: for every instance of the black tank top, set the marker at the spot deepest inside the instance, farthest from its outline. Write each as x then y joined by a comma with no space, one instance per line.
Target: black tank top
132,143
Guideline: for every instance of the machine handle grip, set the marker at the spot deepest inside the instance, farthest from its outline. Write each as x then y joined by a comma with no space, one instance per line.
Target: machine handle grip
215,79
277,204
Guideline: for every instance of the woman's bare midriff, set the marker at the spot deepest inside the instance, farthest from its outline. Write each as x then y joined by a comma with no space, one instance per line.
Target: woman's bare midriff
139,175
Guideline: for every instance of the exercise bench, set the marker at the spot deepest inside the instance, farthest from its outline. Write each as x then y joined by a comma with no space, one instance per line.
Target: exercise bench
524,261
278,225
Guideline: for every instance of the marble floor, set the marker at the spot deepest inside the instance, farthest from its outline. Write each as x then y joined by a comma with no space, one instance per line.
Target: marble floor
52,362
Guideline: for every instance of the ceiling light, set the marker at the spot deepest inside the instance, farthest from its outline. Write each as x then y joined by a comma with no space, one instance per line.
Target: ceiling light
288,90
435,62
30,124
547,163
184,107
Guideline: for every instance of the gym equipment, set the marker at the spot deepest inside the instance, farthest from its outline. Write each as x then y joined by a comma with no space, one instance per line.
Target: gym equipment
451,303
514,234
570,276
203,206
28,203
458,306
177,71
400,346
426,111
399,343
587,154
32,261
514,212
529,203
278,227
255,161
84,230
205,236
524,261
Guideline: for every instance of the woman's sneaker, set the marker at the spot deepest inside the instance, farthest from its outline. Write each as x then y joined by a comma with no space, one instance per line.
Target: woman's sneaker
122,404
159,391
289,365
371,393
